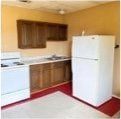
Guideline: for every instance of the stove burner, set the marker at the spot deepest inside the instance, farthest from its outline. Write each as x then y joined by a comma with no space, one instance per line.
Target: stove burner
18,63
3,65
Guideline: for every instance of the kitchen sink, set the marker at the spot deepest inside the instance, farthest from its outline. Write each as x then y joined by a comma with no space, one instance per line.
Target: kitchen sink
50,58
56,57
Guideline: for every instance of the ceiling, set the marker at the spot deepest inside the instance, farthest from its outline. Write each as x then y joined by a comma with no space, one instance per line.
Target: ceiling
55,5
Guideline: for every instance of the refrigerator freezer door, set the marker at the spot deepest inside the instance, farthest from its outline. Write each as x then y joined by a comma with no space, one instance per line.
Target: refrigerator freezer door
85,79
86,47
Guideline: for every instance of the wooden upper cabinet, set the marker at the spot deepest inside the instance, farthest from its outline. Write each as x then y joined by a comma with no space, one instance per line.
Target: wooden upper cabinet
62,32
57,32
52,32
40,31
30,34
33,34
25,34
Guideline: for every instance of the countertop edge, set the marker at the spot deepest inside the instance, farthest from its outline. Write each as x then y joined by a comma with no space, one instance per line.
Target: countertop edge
34,63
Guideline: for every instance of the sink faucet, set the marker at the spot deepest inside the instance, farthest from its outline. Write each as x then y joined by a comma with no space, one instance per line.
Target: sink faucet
54,55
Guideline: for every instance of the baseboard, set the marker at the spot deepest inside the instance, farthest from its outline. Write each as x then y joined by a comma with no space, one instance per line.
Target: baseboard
39,90
116,96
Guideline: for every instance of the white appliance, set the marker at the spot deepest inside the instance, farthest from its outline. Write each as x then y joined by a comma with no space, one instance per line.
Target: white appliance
92,68
15,80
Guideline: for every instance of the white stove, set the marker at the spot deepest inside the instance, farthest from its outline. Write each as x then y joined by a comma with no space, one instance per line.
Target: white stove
15,80
10,59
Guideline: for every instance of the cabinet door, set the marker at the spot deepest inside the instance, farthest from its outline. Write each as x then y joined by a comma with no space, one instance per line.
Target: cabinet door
25,34
40,34
68,70
40,76
62,32
34,80
58,73
45,79
52,31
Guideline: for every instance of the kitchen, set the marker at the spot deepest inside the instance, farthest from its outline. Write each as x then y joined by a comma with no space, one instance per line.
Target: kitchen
104,21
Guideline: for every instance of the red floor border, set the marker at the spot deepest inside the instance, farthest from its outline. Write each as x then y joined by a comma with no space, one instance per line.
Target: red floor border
110,107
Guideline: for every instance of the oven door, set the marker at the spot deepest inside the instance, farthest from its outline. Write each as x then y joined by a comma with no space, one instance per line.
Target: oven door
14,79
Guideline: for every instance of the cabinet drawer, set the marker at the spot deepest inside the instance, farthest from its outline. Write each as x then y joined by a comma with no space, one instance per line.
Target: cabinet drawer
58,64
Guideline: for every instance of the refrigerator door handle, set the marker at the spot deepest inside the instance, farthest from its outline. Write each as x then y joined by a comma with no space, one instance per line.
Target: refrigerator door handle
96,59
86,58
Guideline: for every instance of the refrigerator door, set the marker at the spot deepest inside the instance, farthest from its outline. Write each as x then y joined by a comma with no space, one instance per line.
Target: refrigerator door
86,47
85,79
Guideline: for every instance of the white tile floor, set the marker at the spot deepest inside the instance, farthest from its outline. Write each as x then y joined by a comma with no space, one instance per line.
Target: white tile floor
53,106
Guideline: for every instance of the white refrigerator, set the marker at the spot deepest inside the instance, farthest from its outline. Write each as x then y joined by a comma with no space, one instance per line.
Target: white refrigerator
92,68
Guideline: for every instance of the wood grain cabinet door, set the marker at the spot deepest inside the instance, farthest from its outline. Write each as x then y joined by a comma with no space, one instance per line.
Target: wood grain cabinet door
45,80
62,32
57,32
40,35
52,32
40,76
34,80
68,70
58,73
25,34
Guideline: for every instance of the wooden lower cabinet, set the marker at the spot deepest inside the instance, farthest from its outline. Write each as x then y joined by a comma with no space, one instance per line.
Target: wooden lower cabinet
50,74
40,76
45,79
68,72
58,73
34,82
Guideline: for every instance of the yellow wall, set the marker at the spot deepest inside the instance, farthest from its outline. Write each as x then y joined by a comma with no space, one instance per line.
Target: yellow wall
9,31
102,19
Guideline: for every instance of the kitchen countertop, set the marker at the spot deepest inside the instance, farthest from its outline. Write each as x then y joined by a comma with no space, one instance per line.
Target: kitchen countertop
42,61
37,60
